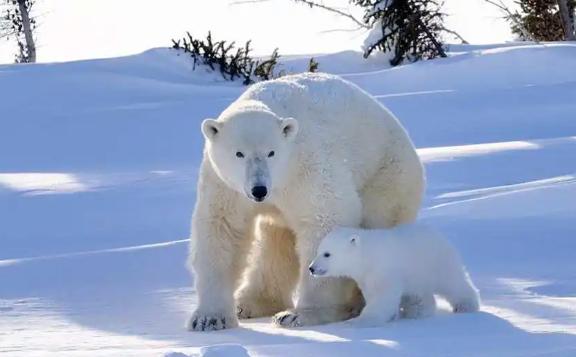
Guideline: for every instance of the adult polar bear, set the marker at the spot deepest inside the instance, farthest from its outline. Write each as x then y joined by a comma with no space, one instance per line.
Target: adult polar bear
286,162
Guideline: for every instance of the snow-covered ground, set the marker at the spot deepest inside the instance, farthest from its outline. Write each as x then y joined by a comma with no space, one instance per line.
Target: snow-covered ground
97,184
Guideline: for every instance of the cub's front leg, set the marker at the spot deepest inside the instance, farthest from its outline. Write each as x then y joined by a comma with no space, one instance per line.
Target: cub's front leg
383,300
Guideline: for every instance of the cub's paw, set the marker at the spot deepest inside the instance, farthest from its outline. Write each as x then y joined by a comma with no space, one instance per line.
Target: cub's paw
312,316
366,320
249,306
289,318
254,308
471,305
201,321
416,307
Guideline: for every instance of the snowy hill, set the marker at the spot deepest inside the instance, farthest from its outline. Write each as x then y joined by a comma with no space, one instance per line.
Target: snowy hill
97,184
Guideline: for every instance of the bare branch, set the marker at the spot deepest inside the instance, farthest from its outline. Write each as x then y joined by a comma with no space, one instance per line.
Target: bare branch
313,4
7,34
513,17
455,34
242,2
344,30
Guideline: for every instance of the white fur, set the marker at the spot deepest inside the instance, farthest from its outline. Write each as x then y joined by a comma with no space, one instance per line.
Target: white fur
340,158
399,271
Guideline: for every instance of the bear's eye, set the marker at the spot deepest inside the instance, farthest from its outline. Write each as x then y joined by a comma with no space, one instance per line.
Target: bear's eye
239,154
326,255
271,153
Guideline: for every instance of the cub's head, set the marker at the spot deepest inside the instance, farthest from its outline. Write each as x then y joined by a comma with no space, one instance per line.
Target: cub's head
337,254
250,150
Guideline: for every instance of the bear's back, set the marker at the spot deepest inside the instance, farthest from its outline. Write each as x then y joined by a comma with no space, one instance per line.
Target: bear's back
342,114
313,97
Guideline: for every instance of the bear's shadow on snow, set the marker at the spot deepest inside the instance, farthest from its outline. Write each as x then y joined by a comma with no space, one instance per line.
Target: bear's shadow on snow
150,296
148,293
447,333
145,293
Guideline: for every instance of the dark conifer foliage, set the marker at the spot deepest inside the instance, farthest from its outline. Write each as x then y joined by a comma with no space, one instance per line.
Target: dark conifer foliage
409,29
543,21
313,65
231,61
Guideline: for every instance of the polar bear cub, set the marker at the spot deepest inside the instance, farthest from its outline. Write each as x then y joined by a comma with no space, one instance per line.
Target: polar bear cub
399,271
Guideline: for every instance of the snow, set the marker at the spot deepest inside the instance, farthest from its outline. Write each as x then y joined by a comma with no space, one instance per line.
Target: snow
373,35
97,184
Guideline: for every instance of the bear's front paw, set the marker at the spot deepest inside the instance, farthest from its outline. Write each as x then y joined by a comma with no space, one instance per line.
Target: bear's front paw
211,321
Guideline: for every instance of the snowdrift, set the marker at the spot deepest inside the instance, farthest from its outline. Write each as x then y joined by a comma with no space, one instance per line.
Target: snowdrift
97,184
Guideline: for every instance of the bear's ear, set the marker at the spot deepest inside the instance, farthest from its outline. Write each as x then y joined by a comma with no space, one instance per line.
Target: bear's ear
355,240
289,128
210,128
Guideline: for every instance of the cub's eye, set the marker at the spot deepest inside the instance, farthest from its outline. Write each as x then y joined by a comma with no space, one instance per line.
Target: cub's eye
326,255
239,154
271,153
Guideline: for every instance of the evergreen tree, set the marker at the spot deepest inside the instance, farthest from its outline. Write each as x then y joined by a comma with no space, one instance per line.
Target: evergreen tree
544,20
409,29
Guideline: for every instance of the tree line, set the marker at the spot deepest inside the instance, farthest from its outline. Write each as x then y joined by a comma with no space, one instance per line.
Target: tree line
408,30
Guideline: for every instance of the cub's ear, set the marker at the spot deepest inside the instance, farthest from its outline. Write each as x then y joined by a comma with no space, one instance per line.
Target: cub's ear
289,128
355,240
210,128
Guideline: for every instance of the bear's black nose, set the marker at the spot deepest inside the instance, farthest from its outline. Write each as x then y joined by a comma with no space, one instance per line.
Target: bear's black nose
259,192
311,268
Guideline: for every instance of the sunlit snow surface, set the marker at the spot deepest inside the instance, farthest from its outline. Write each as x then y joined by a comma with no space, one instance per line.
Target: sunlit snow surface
97,184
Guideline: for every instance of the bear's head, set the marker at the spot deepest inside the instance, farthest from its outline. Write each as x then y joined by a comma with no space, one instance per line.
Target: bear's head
338,254
250,150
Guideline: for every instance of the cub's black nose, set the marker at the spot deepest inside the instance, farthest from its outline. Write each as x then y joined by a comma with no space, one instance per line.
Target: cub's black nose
311,268
259,192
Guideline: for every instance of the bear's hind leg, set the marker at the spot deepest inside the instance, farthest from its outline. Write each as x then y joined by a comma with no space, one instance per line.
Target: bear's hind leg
393,196
320,205
272,274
